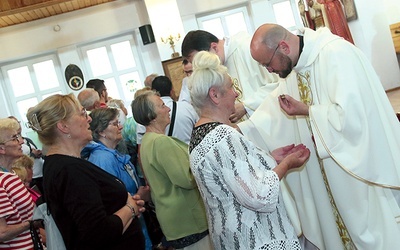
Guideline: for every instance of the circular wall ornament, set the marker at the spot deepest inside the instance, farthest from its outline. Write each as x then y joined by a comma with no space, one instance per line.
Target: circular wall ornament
74,77
75,83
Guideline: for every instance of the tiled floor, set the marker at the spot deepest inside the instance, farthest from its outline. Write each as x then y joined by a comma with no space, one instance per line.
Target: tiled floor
394,97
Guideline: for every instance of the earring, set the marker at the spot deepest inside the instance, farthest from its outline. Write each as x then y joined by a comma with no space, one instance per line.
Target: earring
68,136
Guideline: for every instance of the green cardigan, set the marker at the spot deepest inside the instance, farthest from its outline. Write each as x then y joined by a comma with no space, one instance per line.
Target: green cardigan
179,206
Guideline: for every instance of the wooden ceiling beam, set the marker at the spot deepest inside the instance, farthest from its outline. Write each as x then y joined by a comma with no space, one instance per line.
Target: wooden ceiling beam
35,5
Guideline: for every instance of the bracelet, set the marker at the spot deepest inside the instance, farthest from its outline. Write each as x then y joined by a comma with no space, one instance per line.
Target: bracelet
132,209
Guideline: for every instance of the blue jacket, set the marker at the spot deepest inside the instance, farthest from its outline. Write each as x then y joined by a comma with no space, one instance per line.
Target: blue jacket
113,162
118,165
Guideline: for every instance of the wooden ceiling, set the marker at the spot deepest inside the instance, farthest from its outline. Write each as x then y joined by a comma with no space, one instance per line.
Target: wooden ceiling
14,12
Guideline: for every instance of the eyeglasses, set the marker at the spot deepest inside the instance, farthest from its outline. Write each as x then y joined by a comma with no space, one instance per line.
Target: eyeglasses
84,113
266,65
115,124
16,137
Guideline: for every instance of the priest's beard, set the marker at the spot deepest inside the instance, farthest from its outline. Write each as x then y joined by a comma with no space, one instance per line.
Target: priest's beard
286,64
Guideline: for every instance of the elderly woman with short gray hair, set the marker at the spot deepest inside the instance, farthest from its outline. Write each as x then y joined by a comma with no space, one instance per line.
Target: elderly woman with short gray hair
239,183
165,162
107,133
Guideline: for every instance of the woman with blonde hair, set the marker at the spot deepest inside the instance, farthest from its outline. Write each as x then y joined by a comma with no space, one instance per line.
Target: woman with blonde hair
23,167
15,201
91,208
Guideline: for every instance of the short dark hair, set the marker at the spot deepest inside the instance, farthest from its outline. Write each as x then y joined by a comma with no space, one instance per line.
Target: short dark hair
143,109
96,84
162,85
197,40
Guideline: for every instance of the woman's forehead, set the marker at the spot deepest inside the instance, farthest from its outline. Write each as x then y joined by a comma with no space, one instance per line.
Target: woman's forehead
157,100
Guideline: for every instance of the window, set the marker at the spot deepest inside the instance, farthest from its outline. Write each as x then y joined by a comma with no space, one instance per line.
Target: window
117,62
230,22
226,23
30,81
287,13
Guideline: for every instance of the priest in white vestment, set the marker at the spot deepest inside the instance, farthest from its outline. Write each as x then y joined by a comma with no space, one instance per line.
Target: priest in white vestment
352,178
250,80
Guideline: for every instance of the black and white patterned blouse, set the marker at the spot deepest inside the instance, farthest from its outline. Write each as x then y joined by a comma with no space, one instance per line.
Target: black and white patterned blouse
241,193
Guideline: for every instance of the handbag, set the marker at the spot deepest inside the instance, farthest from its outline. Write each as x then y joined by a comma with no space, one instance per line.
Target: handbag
152,224
54,239
37,243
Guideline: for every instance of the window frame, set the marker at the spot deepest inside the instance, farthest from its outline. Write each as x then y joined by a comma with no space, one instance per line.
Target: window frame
115,73
222,14
39,94
295,11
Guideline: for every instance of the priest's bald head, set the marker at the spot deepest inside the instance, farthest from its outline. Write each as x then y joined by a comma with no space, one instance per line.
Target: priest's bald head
275,48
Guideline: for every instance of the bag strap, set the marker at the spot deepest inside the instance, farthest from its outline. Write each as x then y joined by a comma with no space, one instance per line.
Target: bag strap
29,142
171,126
37,244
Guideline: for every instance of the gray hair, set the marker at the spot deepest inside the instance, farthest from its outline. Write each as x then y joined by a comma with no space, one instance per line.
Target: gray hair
207,72
116,103
100,120
143,109
88,97
7,127
149,79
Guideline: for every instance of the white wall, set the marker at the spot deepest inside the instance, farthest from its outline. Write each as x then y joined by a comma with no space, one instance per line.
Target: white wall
83,26
370,32
392,9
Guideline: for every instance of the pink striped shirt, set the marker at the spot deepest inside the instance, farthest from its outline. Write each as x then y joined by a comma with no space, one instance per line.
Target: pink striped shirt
16,206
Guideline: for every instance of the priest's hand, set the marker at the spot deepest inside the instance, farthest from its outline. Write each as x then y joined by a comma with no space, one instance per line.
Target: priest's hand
240,111
291,106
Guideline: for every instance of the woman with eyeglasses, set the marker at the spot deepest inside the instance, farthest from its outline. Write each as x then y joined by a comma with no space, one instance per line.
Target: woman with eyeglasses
16,205
91,208
107,133
29,148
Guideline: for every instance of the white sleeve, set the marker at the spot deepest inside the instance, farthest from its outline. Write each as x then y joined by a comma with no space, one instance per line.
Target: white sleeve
247,171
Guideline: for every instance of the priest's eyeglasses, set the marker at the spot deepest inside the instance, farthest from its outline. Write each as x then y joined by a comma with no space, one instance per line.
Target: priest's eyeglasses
266,65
